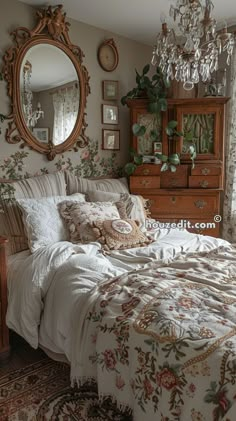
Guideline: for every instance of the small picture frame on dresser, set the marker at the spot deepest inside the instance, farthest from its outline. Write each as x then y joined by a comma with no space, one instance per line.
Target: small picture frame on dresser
157,147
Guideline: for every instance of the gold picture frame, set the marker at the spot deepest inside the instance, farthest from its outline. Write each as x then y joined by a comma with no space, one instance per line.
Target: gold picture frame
111,139
110,114
110,90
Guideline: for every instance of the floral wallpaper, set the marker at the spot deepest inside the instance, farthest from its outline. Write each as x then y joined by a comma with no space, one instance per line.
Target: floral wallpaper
90,161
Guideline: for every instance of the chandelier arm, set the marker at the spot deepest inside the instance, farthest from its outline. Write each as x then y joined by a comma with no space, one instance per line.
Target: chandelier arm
198,57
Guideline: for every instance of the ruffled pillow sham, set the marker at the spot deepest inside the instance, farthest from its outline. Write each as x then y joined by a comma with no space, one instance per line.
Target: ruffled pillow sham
136,205
118,234
78,217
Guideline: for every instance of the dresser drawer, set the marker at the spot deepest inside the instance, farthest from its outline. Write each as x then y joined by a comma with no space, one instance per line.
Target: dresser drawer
203,169
144,183
183,205
177,179
148,169
204,182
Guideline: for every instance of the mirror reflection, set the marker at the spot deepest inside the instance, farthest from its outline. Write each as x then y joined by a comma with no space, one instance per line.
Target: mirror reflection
50,93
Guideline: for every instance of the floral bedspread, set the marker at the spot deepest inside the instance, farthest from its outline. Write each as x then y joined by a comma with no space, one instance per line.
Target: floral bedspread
162,340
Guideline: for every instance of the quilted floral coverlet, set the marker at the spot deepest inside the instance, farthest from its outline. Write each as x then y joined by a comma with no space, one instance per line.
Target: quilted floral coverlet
162,340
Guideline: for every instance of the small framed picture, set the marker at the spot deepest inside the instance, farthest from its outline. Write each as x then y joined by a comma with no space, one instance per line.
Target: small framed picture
111,139
157,147
110,90
41,134
110,114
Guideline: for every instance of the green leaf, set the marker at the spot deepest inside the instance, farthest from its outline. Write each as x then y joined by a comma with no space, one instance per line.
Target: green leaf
178,133
188,136
163,158
138,130
174,159
169,131
164,167
138,159
146,69
163,104
132,151
172,168
123,100
154,107
172,124
130,168
153,135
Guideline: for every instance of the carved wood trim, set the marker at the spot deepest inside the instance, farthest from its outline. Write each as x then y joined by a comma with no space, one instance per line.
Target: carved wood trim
53,21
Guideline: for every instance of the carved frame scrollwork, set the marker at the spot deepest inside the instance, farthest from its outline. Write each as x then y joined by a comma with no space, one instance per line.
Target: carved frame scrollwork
51,29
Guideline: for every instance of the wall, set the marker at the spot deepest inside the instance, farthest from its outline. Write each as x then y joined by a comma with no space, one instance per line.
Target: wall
132,55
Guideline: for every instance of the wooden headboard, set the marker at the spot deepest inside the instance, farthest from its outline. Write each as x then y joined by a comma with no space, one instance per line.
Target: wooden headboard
4,333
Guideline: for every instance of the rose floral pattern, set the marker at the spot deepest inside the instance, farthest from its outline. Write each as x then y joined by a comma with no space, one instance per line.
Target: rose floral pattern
90,161
162,340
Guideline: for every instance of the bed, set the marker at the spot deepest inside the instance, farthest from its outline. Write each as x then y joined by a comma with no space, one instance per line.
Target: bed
153,325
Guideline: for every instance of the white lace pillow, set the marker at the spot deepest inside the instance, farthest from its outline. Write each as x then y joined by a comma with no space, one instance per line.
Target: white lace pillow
78,217
42,221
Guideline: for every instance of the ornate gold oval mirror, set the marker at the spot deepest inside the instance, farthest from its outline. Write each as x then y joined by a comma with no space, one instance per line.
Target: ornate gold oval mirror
48,86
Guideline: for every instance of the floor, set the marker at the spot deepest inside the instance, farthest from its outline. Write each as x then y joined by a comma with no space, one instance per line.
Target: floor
21,355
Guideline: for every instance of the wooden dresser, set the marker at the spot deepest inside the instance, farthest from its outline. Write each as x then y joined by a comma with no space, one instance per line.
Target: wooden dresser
189,194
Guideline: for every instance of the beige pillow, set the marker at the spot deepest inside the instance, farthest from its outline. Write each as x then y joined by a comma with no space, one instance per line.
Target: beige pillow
79,215
11,224
103,196
119,234
82,185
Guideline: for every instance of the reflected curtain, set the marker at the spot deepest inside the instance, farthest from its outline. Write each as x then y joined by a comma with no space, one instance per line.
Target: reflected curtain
229,208
66,106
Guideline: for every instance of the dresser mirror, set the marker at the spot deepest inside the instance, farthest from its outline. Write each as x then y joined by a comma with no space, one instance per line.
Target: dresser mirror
48,86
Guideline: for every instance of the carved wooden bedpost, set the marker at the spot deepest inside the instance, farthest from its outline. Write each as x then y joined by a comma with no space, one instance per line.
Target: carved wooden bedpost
4,332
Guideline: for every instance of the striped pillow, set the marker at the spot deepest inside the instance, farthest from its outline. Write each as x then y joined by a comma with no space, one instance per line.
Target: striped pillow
82,185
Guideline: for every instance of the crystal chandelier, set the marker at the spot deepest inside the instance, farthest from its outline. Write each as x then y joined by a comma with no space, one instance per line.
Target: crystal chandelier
196,56
31,116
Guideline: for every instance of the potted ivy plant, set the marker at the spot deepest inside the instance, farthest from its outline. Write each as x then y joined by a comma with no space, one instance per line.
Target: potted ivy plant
155,90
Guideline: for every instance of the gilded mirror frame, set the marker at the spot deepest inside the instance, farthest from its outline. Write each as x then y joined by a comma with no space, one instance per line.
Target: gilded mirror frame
51,29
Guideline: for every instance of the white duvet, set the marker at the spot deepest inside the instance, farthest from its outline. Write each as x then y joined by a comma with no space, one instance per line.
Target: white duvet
46,287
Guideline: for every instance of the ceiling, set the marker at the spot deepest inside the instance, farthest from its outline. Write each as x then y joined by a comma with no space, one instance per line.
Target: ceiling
135,19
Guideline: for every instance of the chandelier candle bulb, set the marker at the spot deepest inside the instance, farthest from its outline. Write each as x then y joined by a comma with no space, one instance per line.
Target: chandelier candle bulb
196,56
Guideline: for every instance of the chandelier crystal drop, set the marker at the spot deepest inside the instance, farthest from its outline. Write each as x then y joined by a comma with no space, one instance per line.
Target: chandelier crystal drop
194,56
31,116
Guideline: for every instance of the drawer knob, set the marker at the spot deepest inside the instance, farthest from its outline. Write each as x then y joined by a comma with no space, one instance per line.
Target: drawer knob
146,171
173,199
200,204
205,171
145,183
204,184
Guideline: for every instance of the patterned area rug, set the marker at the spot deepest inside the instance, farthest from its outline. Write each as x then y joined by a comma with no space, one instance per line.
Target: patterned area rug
41,392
